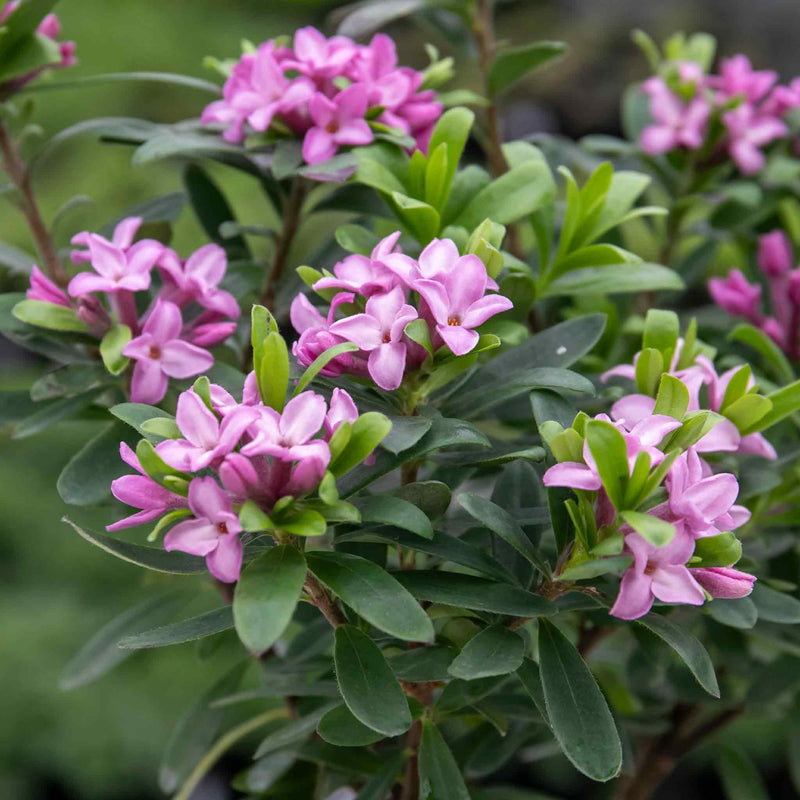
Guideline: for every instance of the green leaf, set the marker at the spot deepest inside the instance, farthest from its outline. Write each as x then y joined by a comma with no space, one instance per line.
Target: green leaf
293,733
369,430
418,331
367,684
436,188
493,651
213,210
382,781
594,567
515,63
531,680
766,348
431,497
559,346
576,708
86,478
135,414
774,606
187,630
149,557
452,130
340,727
28,53
101,653
784,401
373,173
273,375
720,550
447,548
420,218
672,398
747,411
657,531
356,239
738,613
50,413
320,362
610,453
499,521
740,778
615,279
690,650
422,664
405,432
439,775
514,195
466,591
167,78
266,596
661,332
395,511
302,522
49,315
373,593
111,349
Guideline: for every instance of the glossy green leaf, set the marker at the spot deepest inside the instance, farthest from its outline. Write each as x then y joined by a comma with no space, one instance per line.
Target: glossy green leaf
576,708
111,349
466,591
657,531
720,550
153,558
50,413
775,606
515,63
766,348
340,727
373,593
785,401
738,613
439,775
690,650
740,778
609,451
499,521
266,596
493,651
273,374
367,683
320,362
423,664
368,432
390,510
187,630
615,279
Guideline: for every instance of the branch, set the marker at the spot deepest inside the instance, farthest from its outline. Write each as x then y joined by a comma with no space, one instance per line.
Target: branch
18,174
324,602
291,222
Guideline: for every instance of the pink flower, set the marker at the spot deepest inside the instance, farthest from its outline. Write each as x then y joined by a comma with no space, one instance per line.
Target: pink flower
368,276
341,409
724,582
747,132
676,124
375,67
380,332
645,435
775,255
213,534
458,303
270,92
704,502
737,78
207,441
228,111
782,99
736,295
337,122
122,238
160,354
197,280
320,58
657,573
43,289
141,491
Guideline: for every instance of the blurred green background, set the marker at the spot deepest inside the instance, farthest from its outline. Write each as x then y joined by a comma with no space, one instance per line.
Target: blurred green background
105,740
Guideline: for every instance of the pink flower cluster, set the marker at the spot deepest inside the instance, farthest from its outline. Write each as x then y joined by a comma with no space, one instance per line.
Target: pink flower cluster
698,504
749,104
322,90
701,380
49,27
254,452
736,295
167,342
375,294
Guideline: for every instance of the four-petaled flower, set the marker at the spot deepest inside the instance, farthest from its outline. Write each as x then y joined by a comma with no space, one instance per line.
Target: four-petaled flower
336,122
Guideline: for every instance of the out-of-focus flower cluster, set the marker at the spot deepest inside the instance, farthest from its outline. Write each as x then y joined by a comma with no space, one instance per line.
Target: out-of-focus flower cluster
374,298
324,91
50,28
738,112
227,455
172,328
736,295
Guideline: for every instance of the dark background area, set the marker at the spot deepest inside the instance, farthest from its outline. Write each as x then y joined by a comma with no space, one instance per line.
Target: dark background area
103,741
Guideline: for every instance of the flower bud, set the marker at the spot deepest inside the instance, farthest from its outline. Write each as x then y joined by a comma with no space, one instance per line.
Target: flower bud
724,582
775,254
